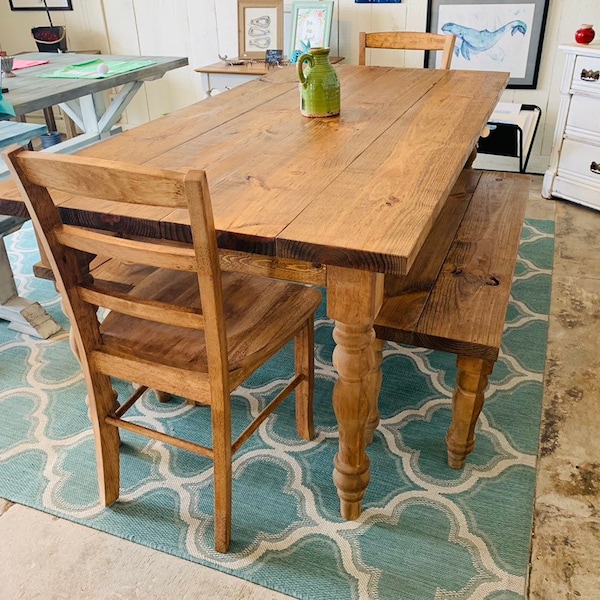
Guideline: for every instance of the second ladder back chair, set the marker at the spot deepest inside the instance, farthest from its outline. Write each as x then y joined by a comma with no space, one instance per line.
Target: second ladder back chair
407,40
182,326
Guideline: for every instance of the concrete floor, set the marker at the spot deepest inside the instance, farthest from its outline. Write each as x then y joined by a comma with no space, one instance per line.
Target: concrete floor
43,557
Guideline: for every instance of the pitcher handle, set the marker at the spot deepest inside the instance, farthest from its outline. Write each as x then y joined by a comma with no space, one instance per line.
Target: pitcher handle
300,66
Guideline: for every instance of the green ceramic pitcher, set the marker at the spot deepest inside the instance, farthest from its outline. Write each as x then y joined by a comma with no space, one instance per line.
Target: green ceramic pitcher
319,84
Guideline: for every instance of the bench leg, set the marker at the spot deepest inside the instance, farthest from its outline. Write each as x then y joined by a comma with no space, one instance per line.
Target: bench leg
467,402
374,384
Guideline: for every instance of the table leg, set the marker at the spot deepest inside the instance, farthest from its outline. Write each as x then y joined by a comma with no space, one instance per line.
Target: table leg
353,299
467,402
374,383
206,84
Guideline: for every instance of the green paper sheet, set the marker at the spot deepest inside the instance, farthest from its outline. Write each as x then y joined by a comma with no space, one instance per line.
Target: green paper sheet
89,69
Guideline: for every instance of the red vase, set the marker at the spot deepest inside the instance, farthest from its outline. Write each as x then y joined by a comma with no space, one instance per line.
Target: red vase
585,34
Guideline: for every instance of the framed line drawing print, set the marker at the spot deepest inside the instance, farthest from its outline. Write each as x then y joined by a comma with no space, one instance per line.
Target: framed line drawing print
40,5
260,27
493,35
311,26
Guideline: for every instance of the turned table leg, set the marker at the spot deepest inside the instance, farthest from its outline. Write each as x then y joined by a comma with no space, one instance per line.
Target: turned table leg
467,402
354,297
374,383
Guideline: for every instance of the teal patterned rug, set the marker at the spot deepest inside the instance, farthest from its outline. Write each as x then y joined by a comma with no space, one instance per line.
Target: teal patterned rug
427,531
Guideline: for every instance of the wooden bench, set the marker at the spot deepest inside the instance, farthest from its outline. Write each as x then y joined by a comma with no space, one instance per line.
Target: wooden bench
456,294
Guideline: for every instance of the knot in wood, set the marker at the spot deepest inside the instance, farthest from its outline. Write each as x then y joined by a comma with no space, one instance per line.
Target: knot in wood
251,179
110,219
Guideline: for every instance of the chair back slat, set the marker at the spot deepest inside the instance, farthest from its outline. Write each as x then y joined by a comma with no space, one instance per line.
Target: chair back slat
106,180
408,40
167,256
160,312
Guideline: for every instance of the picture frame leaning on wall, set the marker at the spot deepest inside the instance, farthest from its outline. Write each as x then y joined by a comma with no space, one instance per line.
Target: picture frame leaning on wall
493,35
311,26
260,27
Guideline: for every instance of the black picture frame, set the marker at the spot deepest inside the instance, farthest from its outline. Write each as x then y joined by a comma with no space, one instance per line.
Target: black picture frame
493,35
39,5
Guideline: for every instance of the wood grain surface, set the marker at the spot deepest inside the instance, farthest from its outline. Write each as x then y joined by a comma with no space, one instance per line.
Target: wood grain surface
361,190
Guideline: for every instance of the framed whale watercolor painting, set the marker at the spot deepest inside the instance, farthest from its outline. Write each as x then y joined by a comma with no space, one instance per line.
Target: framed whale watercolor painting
493,35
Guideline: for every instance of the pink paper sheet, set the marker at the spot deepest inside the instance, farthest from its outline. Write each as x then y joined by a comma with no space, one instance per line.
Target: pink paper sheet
23,64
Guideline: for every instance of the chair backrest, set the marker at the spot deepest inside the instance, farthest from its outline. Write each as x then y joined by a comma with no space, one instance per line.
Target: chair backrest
407,40
40,175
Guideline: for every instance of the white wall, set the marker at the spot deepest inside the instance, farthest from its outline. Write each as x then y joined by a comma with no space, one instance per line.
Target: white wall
199,29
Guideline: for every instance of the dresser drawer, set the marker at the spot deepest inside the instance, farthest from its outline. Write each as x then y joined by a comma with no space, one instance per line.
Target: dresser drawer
584,116
586,77
580,160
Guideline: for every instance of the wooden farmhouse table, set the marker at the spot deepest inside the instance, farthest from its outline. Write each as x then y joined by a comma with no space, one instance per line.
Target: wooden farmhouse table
337,202
83,100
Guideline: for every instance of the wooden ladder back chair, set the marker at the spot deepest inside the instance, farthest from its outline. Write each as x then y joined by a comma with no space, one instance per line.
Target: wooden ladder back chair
184,328
407,40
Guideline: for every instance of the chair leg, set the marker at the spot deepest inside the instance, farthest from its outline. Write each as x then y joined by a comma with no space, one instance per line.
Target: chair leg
221,427
374,383
101,404
163,396
304,351
467,402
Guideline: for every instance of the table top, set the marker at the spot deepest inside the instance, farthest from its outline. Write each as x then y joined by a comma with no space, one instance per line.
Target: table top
361,190
29,92
250,68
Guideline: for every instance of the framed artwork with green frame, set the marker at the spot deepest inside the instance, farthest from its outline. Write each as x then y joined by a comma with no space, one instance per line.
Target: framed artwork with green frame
311,26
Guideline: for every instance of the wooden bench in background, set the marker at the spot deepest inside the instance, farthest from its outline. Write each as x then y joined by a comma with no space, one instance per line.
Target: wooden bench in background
457,292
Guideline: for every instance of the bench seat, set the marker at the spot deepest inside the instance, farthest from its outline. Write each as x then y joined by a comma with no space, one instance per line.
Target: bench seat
455,297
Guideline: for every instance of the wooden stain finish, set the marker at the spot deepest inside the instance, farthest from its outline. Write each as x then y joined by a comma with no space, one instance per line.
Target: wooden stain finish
352,197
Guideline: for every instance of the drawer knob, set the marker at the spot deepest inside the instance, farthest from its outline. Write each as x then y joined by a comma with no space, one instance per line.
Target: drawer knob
589,75
595,168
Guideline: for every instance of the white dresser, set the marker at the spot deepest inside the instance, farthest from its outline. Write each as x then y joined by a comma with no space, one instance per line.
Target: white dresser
574,171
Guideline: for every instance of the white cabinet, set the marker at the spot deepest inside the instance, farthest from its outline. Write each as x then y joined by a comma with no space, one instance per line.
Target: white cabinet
574,171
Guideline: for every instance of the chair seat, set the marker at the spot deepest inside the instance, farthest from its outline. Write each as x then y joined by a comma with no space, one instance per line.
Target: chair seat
249,303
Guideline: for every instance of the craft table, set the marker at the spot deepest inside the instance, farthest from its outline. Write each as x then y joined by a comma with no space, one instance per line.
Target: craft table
226,76
82,100
338,202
